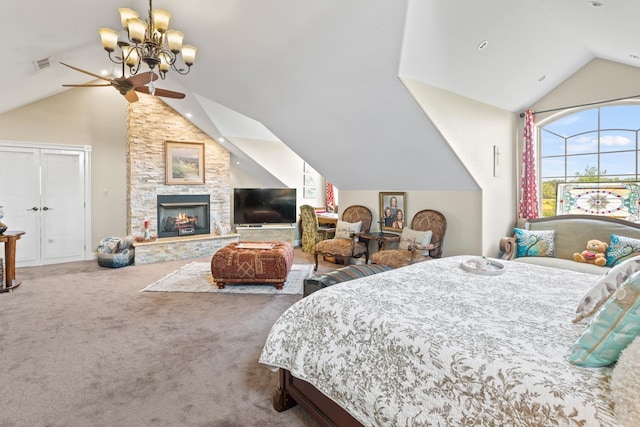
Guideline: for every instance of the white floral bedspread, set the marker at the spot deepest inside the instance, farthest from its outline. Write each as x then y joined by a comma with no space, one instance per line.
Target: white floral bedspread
433,344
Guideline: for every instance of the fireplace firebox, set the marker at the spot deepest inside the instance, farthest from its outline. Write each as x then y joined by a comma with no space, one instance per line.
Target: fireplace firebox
183,214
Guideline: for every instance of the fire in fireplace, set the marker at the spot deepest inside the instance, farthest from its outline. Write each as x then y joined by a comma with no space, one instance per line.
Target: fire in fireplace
183,214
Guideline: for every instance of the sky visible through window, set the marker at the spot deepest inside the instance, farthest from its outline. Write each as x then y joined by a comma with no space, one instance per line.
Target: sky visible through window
570,146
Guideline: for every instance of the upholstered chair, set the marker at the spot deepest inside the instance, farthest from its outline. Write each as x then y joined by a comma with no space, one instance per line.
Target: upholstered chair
311,232
345,244
421,241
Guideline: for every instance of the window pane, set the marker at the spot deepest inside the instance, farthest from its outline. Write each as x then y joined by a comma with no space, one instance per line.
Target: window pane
551,145
620,117
613,164
583,143
617,140
575,123
552,167
583,167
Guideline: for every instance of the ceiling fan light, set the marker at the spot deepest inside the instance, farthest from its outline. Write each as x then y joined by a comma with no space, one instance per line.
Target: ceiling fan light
188,54
137,29
160,20
126,14
174,39
109,39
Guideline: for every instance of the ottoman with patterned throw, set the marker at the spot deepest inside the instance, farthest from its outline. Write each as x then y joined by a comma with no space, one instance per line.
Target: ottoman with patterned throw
252,262
350,272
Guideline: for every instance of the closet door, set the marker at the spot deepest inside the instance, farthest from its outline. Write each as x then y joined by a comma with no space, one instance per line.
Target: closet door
44,193
20,196
62,206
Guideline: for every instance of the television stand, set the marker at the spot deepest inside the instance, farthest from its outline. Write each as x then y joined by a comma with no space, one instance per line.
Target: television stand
266,232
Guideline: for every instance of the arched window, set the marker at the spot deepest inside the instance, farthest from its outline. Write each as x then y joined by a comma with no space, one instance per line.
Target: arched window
589,162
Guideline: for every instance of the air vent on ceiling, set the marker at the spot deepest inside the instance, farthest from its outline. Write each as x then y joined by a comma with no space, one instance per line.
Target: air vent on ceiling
42,63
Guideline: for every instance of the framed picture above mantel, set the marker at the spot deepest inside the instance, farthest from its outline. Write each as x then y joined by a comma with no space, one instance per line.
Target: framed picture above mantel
184,163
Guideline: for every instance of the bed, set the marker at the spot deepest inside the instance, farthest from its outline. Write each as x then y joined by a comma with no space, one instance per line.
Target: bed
435,344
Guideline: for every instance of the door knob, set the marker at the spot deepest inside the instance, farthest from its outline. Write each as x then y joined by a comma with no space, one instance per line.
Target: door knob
33,209
47,209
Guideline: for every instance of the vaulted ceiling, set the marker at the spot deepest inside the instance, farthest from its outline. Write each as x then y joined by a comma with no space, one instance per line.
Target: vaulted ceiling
322,76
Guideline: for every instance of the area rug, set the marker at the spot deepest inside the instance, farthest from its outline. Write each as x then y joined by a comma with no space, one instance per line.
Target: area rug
196,277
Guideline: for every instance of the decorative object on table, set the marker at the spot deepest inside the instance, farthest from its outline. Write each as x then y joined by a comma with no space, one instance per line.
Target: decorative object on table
184,163
3,227
114,252
147,234
483,265
393,211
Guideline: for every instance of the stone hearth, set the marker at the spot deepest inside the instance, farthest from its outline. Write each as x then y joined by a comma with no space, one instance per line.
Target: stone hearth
184,247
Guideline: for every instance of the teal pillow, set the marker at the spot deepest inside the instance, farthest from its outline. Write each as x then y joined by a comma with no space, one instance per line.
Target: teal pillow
620,249
614,326
534,243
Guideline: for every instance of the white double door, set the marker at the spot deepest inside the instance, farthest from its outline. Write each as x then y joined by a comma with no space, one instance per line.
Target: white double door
44,192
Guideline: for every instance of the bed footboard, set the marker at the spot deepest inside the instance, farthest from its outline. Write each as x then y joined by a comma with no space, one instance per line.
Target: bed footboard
292,391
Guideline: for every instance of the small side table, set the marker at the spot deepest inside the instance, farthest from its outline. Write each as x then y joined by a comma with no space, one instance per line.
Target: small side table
9,238
380,238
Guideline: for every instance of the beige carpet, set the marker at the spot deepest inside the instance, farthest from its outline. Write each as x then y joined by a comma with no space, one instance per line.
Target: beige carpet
196,277
81,346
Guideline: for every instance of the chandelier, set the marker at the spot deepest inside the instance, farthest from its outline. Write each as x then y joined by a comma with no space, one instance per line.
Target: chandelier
146,43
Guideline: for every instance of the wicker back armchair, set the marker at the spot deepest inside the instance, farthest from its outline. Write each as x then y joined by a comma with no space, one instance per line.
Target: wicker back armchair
424,220
345,248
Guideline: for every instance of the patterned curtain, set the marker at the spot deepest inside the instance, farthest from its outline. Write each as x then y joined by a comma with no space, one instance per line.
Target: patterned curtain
329,198
528,207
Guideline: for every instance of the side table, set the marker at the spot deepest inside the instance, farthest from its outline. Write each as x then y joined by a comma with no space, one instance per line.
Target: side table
380,238
9,238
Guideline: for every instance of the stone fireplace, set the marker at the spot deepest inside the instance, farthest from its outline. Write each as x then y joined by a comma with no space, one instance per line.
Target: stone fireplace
183,215
150,123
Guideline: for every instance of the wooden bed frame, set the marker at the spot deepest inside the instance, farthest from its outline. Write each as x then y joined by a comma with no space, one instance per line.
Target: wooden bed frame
292,391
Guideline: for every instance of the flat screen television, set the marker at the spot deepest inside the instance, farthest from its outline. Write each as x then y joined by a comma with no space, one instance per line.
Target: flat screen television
264,206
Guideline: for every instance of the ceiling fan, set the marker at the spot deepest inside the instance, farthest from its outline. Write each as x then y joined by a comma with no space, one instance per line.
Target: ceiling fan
129,86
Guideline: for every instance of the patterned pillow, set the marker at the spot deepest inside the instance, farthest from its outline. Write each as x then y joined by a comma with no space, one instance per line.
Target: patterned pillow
414,237
344,229
620,249
602,289
614,326
625,385
535,243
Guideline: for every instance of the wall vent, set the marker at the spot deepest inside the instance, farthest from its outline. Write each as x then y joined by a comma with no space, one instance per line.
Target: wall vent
42,63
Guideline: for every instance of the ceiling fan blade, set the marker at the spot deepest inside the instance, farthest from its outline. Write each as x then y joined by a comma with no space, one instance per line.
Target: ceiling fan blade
142,79
161,92
97,76
90,85
131,96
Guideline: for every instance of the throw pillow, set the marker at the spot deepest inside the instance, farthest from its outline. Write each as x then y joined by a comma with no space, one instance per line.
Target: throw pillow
621,248
602,289
344,229
411,237
614,326
535,243
625,385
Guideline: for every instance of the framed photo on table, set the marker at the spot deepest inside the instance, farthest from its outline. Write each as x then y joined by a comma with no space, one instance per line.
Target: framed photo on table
184,162
393,211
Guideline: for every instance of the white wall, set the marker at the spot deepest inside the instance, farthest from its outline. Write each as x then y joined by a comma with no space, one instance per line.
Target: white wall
472,129
95,117
599,80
